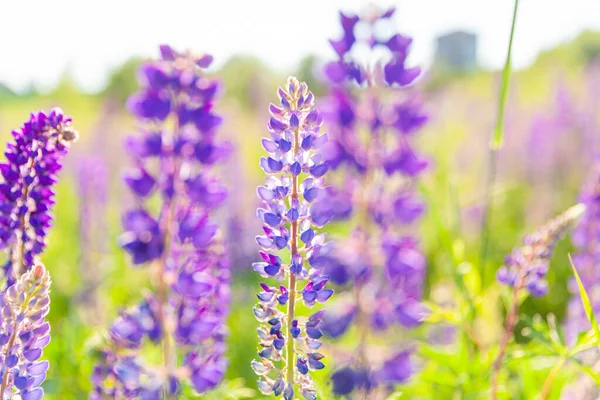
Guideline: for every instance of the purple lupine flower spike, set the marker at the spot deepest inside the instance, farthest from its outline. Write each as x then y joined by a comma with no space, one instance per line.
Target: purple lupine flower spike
288,343
184,315
526,267
372,128
27,194
587,259
24,333
26,199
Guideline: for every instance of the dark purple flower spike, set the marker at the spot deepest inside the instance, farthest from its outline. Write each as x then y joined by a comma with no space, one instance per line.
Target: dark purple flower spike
26,193
26,200
185,313
295,169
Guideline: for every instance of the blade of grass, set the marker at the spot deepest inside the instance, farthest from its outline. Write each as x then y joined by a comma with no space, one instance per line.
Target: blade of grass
587,305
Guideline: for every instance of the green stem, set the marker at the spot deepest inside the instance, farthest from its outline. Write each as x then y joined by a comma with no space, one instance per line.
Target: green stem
292,279
495,145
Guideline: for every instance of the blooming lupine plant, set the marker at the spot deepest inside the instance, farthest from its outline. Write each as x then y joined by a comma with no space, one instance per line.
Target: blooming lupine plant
526,268
184,314
288,342
33,161
372,129
27,196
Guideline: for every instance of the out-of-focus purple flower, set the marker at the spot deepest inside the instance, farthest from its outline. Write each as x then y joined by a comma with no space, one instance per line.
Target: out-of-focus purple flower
348,379
26,193
397,369
142,237
296,169
371,144
185,314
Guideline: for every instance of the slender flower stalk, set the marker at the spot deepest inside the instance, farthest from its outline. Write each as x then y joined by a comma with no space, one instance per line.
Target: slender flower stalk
295,181
525,269
372,131
26,199
184,314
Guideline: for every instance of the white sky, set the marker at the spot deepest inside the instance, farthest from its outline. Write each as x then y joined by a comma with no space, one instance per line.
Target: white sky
40,39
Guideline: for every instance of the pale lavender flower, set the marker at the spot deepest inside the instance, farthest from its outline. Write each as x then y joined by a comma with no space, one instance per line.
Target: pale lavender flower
289,343
23,334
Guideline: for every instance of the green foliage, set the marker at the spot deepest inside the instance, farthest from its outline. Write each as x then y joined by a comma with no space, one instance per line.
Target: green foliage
308,72
228,390
474,308
122,80
587,305
249,82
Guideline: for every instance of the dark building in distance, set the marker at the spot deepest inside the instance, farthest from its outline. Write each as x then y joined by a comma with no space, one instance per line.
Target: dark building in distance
456,52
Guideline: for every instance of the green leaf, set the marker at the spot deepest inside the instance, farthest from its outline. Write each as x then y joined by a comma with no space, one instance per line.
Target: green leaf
587,304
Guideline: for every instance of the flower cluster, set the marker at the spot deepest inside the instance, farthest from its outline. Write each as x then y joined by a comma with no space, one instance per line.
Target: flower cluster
527,266
587,260
24,333
185,313
26,199
373,120
289,343
27,196
349,113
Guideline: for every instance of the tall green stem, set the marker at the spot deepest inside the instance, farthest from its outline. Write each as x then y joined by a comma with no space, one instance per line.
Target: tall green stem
495,145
